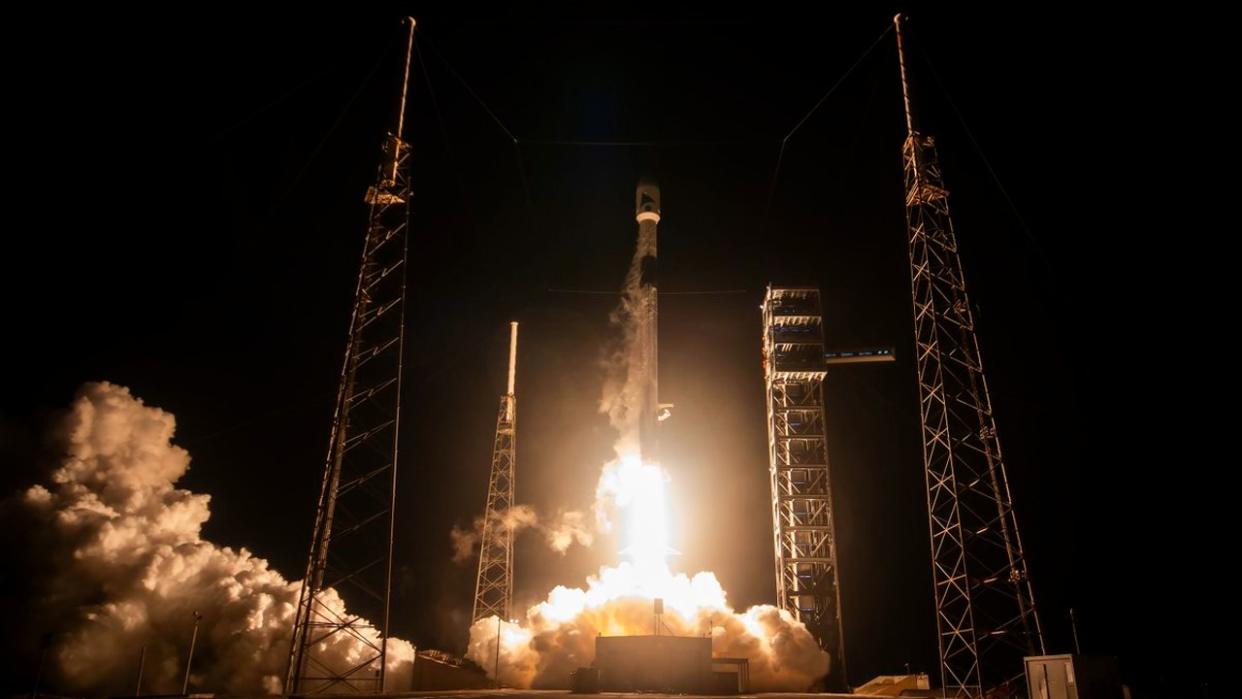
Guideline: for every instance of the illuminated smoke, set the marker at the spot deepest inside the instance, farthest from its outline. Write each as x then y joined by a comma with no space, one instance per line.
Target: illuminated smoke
621,399
560,531
558,635
120,562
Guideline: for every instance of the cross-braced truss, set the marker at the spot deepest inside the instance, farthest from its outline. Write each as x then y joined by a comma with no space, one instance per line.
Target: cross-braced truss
493,594
351,549
802,521
985,607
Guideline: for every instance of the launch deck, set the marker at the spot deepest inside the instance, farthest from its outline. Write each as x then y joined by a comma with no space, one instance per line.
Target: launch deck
546,693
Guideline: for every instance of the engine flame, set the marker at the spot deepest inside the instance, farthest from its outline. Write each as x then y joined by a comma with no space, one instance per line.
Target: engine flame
638,489
558,635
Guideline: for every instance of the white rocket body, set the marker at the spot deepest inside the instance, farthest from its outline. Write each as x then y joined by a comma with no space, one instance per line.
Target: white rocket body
647,213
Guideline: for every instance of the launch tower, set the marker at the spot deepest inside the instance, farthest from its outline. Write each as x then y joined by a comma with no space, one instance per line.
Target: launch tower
985,608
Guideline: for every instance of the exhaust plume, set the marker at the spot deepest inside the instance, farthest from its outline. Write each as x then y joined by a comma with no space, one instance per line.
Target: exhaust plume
118,561
560,531
558,635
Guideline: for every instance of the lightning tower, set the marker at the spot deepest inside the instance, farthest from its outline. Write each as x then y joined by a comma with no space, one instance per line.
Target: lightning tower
985,609
351,547
493,591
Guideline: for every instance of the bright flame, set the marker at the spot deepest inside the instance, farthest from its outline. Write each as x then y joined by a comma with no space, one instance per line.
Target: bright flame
638,490
558,635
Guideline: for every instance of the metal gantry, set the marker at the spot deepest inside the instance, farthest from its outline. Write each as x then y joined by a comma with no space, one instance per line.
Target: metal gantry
493,591
985,609
802,517
350,555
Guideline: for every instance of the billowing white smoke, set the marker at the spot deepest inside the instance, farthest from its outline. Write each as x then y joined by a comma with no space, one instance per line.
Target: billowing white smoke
560,531
558,635
123,564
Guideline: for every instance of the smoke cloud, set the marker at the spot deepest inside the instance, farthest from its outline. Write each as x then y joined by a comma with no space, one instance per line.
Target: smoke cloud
558,635
560,531
118,561
623,376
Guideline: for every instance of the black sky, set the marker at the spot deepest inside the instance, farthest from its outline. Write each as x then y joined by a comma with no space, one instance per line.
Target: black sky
188,205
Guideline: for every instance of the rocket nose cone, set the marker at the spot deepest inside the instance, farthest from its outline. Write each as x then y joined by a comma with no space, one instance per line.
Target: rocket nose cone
647,198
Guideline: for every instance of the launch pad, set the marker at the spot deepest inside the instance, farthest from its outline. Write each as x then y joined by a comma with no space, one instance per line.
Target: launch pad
560,693
653,663
675,664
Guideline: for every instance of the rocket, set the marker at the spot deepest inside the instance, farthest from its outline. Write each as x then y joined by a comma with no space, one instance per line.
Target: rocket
647,213
648,536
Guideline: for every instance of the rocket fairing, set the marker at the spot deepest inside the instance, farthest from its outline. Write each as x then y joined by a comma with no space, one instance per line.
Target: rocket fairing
647,213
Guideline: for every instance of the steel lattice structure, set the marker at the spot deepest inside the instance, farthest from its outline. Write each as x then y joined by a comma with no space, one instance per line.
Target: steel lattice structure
985,608
802,517
493,591
351,548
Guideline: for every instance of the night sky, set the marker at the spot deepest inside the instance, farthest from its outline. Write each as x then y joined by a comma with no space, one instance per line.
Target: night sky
188,212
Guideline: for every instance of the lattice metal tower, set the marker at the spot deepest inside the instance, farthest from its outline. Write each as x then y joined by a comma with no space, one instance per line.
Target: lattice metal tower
351,548
493,592
802,515
985,609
